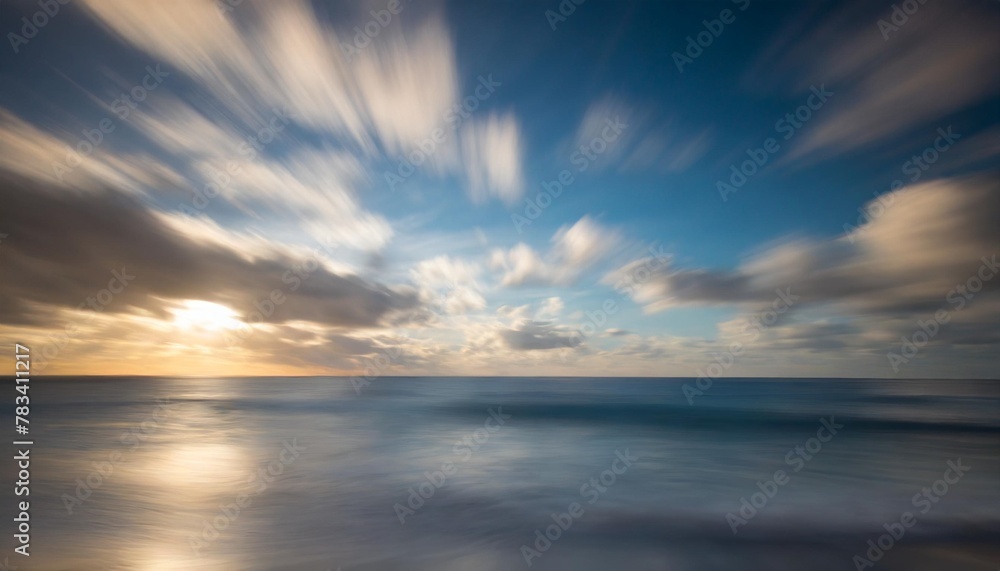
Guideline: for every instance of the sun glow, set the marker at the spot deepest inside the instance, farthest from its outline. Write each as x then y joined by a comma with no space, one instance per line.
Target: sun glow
194,315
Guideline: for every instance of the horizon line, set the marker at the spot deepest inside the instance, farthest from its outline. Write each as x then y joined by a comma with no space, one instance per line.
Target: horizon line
862,378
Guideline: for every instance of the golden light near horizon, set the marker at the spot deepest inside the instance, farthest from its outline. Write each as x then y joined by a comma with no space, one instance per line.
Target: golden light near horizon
199,315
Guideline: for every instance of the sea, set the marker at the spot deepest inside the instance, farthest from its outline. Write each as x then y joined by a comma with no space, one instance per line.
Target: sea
506,474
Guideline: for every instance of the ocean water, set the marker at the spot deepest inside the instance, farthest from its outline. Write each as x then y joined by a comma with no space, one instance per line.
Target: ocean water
470,474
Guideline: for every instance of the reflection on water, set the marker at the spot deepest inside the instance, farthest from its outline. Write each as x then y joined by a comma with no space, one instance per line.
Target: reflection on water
305,474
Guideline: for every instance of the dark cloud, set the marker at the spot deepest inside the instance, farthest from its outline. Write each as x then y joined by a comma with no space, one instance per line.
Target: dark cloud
539,335
63,246
920,248
929,238
617,333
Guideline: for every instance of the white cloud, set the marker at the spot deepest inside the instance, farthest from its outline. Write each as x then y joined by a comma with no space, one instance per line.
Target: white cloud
387,98
277,54
310,189
491,153
450,283
574,249
521,265
65,161
550,309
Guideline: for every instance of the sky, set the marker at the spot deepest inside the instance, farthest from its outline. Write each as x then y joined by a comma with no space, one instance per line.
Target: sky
684,189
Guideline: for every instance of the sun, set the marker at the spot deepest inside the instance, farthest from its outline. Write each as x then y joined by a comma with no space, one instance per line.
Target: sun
198,315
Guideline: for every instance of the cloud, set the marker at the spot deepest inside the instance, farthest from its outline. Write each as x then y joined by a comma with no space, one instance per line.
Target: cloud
450,283
536,336
53,159
550,309
615,332
593,128
658,151
192,134
491,153
309,188
445,271
574,249
386,98
64,246
928,70
521,266
928,236
901,264
407,84
583,243
647,142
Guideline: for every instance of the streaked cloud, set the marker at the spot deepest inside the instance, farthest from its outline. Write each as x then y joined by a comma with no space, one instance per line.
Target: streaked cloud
539,336
931,69
258,166
574,249
901,265
491,153
82,236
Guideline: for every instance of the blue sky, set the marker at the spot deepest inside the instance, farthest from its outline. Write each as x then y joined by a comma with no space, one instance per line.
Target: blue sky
268,134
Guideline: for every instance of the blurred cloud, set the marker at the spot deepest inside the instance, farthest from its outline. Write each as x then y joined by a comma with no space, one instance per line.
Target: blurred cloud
901,264
574,249
450,283
491,153
930,69
268,139
535,336
81,239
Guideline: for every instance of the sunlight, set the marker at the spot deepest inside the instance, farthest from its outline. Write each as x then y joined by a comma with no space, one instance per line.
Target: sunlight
206,467
194,315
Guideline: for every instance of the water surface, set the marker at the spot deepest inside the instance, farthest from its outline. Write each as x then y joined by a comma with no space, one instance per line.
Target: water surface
169,461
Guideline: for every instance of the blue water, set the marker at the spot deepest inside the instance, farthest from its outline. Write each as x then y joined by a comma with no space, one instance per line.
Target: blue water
169,460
